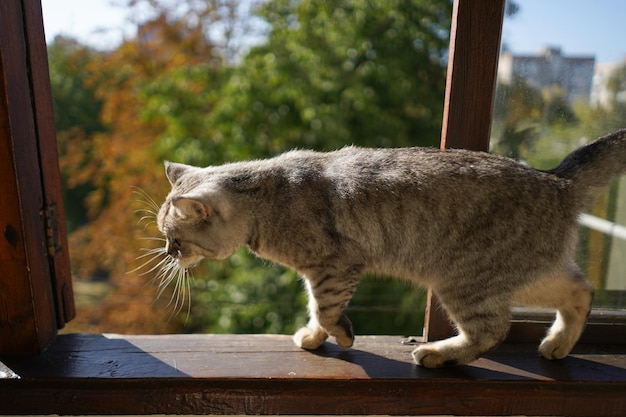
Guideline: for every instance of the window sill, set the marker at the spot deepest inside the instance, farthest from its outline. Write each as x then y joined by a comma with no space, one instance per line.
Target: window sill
266,374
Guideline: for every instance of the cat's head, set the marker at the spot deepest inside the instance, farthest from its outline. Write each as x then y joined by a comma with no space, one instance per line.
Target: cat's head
197,218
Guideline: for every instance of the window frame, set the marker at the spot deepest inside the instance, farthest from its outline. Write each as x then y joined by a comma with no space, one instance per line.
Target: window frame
35,278
475,37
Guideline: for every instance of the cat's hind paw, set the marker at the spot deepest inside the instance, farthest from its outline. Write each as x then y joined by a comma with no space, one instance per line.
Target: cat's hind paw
563,335
345,341
310,339
345,336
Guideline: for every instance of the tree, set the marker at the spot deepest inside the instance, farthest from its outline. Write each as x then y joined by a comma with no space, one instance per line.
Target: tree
76,113
523,114
331,74
121,159
228,26
369,73
517,110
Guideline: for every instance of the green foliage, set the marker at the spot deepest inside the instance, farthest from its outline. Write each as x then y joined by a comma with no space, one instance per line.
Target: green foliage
522,115
557,111
330,74
243,294
181,100
367,73
76,114
387,306
541,127
74,99
517,112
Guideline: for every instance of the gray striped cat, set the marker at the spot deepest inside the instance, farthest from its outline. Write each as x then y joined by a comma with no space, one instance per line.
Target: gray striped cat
482,231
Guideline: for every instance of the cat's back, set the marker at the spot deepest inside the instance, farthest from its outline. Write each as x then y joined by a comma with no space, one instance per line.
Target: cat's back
391,173
405,184
357,168
397,202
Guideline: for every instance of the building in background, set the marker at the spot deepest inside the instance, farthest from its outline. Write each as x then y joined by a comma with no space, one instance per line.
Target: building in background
550,68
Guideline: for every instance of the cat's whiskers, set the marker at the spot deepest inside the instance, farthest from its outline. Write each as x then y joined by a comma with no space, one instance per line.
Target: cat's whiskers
148,218
145,198
182,290
156,260
171,271
154,254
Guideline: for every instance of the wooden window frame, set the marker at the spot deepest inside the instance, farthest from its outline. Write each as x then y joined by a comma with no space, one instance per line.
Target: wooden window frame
36,295
106,374
469,99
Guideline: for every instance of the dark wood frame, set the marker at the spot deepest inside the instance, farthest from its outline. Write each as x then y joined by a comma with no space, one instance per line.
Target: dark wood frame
35,276
267,374
100,374
470,92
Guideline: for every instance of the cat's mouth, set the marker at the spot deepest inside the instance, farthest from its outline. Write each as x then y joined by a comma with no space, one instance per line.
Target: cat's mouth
189,262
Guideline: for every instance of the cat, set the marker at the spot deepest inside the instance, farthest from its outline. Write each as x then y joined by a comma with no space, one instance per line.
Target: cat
484,232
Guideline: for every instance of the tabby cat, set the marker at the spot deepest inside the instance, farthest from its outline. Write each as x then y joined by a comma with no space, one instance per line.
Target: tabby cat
482,231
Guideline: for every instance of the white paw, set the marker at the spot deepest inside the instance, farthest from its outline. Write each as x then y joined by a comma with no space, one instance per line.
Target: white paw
456,350
552,347
310,339
430,356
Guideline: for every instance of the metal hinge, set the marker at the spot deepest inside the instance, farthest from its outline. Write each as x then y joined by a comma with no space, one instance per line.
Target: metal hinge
53,237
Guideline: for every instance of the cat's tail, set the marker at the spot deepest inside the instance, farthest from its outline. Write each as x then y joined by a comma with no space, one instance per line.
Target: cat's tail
595,164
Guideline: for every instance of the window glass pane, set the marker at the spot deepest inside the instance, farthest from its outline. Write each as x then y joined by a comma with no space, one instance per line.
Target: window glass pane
562,83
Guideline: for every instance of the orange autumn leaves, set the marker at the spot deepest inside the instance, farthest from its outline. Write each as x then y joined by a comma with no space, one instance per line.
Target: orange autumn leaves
111,163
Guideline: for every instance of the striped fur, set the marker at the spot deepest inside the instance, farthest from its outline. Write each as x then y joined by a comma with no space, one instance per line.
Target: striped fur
482,231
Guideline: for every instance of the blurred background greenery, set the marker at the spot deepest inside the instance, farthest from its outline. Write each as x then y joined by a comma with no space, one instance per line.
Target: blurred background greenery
325,75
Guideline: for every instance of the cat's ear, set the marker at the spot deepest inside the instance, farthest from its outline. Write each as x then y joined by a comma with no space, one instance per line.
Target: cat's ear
174,170
190,208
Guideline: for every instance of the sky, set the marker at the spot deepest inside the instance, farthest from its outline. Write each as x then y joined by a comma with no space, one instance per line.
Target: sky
94,22
578,27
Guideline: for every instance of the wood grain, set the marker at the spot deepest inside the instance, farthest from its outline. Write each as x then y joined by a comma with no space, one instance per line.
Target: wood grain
472,69
49,158
267,374
36,294
27,317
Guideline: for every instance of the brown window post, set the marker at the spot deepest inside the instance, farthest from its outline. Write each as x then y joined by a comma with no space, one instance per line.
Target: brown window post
35,285
470,90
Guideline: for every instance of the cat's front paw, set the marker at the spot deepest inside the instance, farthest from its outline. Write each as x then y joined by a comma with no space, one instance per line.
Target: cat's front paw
456,350
310,339
555,347
429,356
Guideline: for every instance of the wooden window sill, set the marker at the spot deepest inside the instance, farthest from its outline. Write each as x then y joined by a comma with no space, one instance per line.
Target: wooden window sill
267,374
